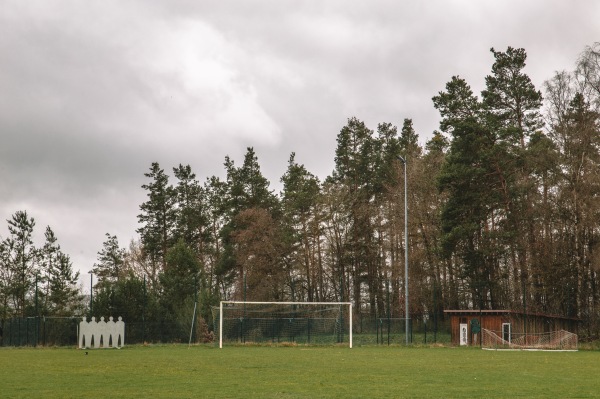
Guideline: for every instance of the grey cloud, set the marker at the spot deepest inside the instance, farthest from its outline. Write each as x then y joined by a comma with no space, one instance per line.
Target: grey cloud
92,92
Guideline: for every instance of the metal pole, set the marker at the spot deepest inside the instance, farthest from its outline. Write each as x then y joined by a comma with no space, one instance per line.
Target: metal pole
192,327
36,311
221,325
524,310
350,328
91,293
144,313
389,313
435,310
242,329
405,248
194,321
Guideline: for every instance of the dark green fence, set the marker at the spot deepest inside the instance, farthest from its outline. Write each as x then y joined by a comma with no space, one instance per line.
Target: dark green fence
47,331
392,331
34,331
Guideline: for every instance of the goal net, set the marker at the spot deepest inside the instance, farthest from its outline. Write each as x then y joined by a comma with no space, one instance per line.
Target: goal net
315,323
555,340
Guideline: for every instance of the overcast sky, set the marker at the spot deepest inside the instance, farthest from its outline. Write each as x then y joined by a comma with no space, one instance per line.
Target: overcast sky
93,92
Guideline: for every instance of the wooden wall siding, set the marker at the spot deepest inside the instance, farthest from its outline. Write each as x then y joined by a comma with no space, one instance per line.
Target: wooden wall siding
493,320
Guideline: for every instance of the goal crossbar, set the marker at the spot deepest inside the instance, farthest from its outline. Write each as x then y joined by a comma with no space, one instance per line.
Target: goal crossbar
349,304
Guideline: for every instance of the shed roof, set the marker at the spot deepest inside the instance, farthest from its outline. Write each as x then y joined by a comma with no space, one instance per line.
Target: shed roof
507,312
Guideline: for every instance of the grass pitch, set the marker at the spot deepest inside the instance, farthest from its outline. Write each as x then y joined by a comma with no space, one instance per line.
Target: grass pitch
176,371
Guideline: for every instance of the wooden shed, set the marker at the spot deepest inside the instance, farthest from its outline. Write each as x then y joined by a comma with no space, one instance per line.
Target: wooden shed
506,323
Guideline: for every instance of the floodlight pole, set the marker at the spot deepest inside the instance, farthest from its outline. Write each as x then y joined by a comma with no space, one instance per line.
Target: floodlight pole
405,248
37,314
91,292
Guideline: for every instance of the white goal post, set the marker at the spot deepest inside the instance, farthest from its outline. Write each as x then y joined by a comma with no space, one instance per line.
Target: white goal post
247,307
560,340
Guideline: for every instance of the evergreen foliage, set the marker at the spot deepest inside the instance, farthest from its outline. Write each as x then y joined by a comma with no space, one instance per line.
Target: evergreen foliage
504,204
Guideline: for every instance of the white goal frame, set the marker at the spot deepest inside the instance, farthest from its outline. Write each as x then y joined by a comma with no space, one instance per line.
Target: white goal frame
553,341
349,304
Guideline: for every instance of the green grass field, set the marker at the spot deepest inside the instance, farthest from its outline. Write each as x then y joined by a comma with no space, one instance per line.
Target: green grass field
177,371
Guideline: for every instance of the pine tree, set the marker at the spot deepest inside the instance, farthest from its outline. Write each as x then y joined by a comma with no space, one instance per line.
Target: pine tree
456,105
510,98
409,141
190,216
20,257
512,110
299,198
467,213
111,261
180,281
157,217
64,298
247,191
215,192
470,179
356,158
248,187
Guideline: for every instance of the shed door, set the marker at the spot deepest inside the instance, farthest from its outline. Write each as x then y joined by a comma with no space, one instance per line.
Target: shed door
506,332
464,336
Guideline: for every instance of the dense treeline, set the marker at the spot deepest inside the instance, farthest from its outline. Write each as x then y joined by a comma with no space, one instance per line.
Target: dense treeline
504,213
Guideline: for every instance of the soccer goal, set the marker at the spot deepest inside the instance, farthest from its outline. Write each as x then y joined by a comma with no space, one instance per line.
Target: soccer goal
555,340
314,323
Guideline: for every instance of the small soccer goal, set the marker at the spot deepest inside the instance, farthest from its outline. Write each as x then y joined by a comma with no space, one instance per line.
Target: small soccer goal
304,323
556,340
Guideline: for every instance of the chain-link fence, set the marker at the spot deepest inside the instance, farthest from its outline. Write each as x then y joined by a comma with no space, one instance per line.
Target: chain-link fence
43,331
370,330
64,331
56,331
